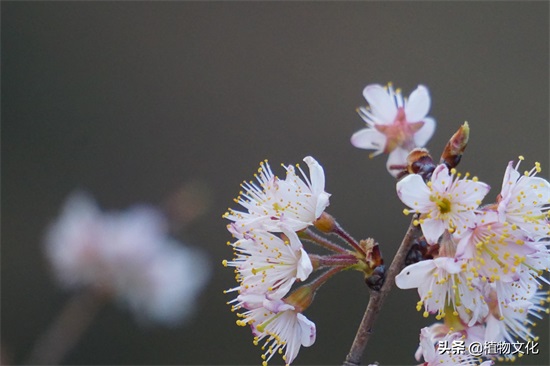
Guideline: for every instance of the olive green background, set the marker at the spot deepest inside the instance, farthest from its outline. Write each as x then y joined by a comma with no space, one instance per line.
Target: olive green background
130,100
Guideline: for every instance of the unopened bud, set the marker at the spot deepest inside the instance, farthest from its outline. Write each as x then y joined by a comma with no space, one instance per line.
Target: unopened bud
455,147
376,278
421,250
325,223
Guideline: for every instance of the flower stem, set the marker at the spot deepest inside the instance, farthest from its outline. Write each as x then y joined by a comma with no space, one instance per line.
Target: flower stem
65,331
320,281
377,298
338,230
335,260
313,237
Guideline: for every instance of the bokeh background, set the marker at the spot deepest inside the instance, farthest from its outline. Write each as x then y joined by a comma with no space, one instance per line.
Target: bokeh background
131,101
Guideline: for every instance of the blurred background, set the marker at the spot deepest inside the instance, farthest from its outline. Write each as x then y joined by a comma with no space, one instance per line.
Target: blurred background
133,102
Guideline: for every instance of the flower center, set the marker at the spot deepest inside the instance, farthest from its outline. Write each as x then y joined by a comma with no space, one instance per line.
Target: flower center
400,133
443,204
277,207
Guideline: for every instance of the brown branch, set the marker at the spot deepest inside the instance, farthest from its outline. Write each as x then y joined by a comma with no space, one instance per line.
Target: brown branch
77,314
377,299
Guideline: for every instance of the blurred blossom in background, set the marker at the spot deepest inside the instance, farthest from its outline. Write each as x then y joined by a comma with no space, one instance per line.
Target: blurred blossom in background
128,256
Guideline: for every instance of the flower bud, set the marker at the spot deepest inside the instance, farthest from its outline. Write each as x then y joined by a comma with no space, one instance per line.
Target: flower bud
455,147
377,278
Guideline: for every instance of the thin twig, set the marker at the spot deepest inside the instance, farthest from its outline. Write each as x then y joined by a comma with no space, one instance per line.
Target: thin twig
338,230
377,299
65,331
335,260
313,237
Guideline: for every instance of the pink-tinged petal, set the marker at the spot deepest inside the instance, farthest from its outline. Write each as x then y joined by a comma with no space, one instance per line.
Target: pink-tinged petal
251,300
418,104
308,330
276,305
426,344
493,329
511,175
397,157
414,193
463,223
368,138
305,267
422,136
486,217
441,178
415,275
465,249
450,265
433,229
381,103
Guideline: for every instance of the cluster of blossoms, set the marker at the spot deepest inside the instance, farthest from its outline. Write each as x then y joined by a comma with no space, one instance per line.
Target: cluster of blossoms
485,272
127,256
481,266
269,257
478,268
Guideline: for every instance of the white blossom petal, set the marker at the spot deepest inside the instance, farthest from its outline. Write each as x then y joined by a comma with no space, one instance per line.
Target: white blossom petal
369,138
380,102
414,193
418,105
422,136
414,275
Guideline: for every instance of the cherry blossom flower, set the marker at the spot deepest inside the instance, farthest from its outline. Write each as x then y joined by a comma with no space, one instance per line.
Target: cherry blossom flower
509,323
268,264
439,331
283,327
444,284
74,243
510,318
296,201
495,250
445,202
127,255
525,200
395,125
441,357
